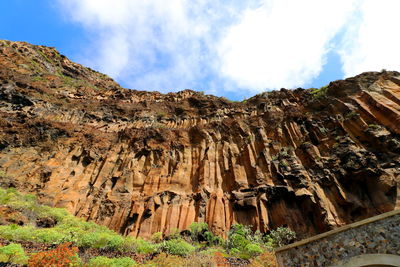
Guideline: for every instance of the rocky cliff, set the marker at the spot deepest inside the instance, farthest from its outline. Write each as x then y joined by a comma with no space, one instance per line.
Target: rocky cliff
143,162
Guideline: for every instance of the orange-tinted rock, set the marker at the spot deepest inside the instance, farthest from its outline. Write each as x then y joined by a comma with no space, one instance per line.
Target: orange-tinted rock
143,162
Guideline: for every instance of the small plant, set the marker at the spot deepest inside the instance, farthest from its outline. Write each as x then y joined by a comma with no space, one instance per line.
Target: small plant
283,163
13,253
197,230
283,153
177,247
139,245
352,114
374,126
238,237
157,237
321,92
249,139
323,130
282,236
101,240
174,233
63,255
253,249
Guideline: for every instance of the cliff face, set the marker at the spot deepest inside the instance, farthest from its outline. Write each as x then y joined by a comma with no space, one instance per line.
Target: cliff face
142,162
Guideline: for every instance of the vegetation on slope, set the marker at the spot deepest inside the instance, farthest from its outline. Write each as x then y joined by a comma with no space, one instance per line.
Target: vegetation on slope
60,234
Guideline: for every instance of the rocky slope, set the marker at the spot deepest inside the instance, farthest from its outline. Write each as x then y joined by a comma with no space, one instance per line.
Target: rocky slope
142,162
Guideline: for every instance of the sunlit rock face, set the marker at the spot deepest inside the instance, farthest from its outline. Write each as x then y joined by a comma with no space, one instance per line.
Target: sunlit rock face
143,162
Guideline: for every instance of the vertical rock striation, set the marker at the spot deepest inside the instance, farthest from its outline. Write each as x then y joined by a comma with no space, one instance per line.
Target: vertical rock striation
143,162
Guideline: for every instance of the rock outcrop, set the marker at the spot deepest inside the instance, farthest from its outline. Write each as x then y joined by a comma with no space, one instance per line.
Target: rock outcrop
143,162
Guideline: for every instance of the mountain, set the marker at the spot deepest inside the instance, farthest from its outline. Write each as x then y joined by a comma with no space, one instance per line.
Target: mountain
143,162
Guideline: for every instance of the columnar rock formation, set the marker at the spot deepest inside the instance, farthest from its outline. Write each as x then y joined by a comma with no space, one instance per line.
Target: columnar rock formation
143,162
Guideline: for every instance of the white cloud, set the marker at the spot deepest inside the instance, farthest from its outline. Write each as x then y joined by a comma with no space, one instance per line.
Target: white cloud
371,42
153,44
221,46
282,43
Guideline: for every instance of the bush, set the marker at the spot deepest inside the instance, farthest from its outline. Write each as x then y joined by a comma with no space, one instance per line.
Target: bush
257,237
174,233
139,246
234,251
177,247
237,241
213,240
253,250
49,235
197,229
101,240
63,255
282,236
13,253
157,237
102,261
199,232
321,92
243,230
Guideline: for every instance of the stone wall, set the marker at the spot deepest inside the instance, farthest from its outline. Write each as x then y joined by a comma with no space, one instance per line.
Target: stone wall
376,235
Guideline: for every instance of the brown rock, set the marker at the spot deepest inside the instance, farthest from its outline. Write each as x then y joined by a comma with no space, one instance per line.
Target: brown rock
143,162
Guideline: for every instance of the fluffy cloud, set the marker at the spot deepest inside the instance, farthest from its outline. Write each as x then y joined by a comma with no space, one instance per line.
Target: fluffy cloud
153,44
283,43
371,42
221,46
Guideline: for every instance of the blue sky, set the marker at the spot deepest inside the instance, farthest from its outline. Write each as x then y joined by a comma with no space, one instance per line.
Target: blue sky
228,48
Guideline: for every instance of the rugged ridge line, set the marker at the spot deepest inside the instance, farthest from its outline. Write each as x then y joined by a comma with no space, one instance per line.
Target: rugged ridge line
143,162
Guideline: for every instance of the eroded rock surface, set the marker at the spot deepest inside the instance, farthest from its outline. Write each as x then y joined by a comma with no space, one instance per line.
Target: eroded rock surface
142,162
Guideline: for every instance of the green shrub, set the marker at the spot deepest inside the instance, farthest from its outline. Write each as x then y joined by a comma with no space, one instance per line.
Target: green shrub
139,246
157,237
243,243
49,235
174,233
13,253
14,232
234,251
237,241
212,240
374,126
257,237
239,236
321,92
200,231
197,229
57,213
101,240
253,250
282,236
177,247
240,229
102,261
352,114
